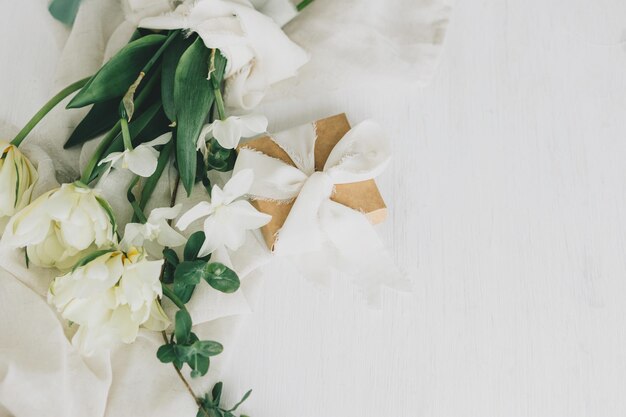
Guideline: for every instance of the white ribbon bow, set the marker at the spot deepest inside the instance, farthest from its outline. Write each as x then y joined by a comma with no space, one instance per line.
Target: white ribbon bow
341,235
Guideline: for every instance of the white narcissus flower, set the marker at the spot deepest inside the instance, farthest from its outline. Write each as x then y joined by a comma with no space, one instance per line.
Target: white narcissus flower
142,160
227,217
17,179
229,132
62,226
156,233
111,296
258,52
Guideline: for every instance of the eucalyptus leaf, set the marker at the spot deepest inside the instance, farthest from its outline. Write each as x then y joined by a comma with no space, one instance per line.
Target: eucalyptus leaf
167,353
207,348
243,399
199,364
190,272
119,73
183,291
216,393
193,245
170,257
219,158
182,329
193,98
221,277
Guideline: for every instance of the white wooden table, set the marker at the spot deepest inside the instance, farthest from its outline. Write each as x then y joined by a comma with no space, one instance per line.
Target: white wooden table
506,198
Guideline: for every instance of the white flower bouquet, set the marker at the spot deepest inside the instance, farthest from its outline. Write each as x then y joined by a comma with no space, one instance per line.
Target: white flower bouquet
176,99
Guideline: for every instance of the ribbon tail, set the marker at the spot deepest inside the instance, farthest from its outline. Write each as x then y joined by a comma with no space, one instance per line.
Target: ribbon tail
360,252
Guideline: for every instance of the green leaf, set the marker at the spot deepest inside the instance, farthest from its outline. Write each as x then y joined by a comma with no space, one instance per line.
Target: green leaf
207,348
183,291
200,365
182,329
170,61
190,272
147,126
216,393
221,277
117,75
220,159
193,97
93,255
167,353
245,397
194,243
109,211
64,10
151,182
209,412
170,257
100,119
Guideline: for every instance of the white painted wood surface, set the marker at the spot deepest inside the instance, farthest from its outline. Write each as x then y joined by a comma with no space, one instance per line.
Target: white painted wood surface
506,211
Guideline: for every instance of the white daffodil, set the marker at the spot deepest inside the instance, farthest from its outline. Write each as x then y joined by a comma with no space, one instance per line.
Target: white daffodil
17,179
156,233
62,226
229,132
110,297
258,52
141,160
228,217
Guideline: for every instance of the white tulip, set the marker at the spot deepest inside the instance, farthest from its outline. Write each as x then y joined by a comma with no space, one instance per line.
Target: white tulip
141,160
156,233
62,226
258,52
228,218
110,297
17,179
229,132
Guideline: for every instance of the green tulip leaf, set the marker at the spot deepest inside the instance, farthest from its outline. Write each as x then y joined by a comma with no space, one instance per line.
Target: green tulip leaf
119,73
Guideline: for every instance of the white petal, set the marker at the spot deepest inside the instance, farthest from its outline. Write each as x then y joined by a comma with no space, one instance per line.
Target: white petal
164,213
169,237
253,124
200,210
113,157
246,216
238,185
161,140
227,132
213,236
142,160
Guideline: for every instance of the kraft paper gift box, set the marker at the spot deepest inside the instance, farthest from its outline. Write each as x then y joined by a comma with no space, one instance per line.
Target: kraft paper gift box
361,196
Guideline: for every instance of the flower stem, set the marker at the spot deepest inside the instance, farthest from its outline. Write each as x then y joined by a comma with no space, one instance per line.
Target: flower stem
170,294
104,144
170,38
182,378
46,109
128,144
219,103
303,4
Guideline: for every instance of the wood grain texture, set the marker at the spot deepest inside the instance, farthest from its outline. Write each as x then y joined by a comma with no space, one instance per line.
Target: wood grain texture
506,200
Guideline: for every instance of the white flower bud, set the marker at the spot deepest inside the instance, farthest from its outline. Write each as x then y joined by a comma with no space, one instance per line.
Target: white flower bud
17,178
62,226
